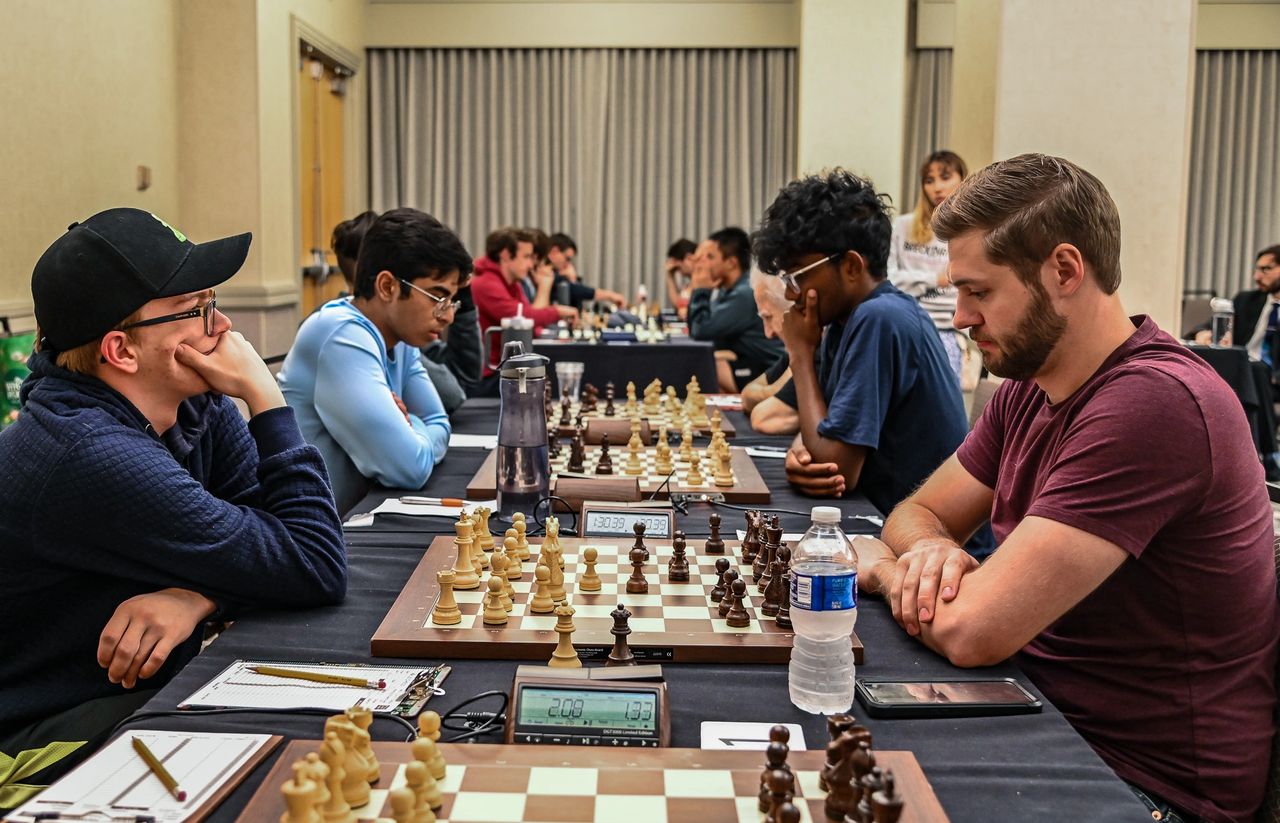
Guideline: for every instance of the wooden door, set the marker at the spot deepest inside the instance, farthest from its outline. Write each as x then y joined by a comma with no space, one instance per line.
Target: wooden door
321,98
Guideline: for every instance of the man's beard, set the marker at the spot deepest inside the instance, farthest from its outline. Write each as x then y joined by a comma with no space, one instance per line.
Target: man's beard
1025,351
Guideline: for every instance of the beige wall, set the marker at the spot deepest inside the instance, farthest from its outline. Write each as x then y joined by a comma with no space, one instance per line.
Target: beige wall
974,71
89,94
1112,94
853,82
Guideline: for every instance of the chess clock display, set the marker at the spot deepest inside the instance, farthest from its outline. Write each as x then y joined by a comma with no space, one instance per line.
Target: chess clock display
619,520
583,711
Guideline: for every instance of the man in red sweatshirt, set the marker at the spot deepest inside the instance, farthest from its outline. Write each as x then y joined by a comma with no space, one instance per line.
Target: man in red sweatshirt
508,259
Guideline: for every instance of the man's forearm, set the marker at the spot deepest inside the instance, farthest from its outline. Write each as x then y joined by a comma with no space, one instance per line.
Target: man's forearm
909,524
812,408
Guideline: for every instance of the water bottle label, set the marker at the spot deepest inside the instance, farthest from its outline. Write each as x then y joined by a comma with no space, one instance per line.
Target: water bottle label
824,592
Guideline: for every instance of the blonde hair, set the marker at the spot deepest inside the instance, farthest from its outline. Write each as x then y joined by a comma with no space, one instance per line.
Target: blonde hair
84,359
922,227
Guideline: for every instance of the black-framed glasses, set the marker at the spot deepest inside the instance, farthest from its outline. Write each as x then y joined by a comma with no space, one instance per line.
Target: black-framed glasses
205,312
789,277
443,304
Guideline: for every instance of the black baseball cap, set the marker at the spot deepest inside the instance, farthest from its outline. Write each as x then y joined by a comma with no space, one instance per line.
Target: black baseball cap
107,267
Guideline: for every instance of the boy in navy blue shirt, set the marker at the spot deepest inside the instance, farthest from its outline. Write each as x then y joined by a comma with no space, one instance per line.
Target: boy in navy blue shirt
880,409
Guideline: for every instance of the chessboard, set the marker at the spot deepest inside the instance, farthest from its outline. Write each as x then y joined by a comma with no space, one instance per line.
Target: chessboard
555,784
675,622
656,420
748,486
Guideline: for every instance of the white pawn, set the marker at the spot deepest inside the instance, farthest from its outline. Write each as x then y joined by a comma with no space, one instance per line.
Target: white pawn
402,806
590,581
495,614
426,750
522,542
694,476
542,602
499,572
511,547
419,780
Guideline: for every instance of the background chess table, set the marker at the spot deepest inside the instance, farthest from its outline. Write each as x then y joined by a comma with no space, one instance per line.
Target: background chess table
557,784
673,623
656,421
748,486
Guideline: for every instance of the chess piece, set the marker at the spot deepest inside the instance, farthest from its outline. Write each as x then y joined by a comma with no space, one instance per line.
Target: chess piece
694,476
426,750
773,590
564,410
638,529
299,798
737,616
775,757
840,796
714,544
485,536
565,655
751,539
522,542
515,571
872,784
590,581
886,804
318,772
555,565
604,464
719,590
662,455
495,614
716,421
542,602
636,583
553,444
837,724
783,617
418,780
787,812
354,787
498,572
629,408
861,762
634,466
722,468
577,454
730,577
446,612
333,754
782,787
678,566
362,719
621,654
608,399
464,571
686,443
429,724
768,549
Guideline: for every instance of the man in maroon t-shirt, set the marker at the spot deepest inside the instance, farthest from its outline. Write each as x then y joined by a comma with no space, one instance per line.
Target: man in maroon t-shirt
1135,577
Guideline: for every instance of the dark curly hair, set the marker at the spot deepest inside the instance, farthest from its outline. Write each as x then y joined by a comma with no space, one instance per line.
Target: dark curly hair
828,213
409,244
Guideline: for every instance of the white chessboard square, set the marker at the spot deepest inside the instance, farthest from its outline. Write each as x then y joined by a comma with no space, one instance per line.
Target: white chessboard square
698,783
452,779
687,589
685,612
592,610
638,599
648,624
807,782
538,622
522,586
488,807
475,596
562,781
722,627
629,808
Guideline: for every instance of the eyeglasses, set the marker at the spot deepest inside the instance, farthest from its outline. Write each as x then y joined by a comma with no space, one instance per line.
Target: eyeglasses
789,278
205,312
443,304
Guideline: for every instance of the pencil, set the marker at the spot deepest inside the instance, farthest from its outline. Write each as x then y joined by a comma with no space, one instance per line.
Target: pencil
413,500
158,769
317,677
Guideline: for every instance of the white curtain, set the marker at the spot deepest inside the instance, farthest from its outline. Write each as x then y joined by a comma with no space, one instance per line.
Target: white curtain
1234,198
624,149
928,118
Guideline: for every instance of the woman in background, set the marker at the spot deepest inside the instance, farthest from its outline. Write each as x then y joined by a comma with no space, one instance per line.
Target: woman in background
918,261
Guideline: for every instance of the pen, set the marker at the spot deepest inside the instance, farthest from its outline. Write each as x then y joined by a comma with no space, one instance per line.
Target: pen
317,677
412,500
158,769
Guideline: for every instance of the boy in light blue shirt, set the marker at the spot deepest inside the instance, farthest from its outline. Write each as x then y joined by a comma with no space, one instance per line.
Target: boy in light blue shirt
353,376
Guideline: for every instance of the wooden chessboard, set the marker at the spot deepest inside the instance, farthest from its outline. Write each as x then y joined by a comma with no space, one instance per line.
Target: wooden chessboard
561,783
661,418
673,623
748,485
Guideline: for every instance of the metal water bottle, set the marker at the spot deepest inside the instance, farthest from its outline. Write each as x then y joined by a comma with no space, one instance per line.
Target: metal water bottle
524,476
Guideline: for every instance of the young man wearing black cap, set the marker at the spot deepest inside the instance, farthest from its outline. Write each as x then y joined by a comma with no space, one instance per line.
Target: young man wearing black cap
135,502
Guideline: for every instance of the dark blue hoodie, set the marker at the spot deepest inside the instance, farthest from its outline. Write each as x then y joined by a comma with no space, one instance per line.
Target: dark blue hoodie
95,508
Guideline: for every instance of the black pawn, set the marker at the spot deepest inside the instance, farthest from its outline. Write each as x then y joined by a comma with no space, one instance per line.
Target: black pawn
783,617
638,528
553,443
564,411
782,787
636,584
720,589
886,804
621,654
678,567
872,784
787,813
730,577
737,616
577,454
605,464
775,757
608,399
714,544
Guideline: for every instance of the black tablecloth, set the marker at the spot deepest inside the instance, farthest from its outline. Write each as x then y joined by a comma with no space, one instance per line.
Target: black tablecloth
1251,381
673,362
983,769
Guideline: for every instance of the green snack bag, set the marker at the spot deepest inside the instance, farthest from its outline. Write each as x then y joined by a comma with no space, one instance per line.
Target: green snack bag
14,349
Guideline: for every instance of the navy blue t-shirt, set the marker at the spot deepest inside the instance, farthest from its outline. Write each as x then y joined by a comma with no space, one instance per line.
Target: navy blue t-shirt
889,387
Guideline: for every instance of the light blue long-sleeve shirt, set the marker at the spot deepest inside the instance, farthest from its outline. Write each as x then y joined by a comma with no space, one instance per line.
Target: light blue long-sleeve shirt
339,380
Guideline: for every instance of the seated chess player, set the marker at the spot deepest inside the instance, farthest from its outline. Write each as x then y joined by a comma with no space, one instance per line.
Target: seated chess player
562,253
1135,578
722,310
678,272
135,502
769,414
879,407
353,375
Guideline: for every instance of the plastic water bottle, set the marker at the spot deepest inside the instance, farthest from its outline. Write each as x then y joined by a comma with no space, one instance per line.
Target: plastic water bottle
1223,314
824,609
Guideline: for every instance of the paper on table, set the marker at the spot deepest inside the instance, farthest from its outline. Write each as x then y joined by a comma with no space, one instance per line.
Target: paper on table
728,402
473,441
746,736
789,537
236,687
117,784
394,505
772,452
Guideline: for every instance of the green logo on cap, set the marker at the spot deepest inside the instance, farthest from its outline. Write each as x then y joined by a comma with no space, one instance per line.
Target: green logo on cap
182,238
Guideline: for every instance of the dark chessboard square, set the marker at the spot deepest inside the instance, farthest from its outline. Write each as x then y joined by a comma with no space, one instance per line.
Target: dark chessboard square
688,626
507,779
702,809
685,600
630,781
645,611
555,807
747,784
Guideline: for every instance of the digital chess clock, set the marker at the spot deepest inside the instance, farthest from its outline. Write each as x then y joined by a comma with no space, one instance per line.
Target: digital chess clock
623,706
619,519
